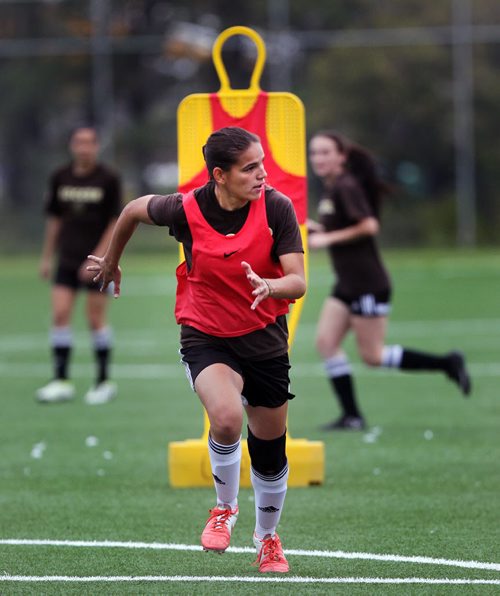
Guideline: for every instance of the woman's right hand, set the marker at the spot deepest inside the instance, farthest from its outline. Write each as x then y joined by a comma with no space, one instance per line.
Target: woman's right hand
45,268
105,274
314,226
319,240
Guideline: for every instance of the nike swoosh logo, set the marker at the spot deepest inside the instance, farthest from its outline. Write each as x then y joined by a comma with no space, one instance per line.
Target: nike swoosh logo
228,254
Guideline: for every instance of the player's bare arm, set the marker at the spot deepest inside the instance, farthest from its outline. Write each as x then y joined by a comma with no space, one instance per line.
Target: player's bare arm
100,249
106,268
368,226
52,229
314,226
291,285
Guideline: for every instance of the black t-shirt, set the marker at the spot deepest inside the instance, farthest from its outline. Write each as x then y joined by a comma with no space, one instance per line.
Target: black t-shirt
168,211
86,205
358,265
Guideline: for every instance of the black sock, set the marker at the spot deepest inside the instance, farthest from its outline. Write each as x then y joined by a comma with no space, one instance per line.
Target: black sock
102,359
343,388
413,360
61,356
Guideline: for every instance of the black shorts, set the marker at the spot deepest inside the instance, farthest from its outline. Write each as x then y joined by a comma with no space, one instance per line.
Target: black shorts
265,382
377,304
68,277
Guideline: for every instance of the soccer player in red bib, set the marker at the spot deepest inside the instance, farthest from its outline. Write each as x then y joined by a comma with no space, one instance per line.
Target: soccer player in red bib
243,265
360,299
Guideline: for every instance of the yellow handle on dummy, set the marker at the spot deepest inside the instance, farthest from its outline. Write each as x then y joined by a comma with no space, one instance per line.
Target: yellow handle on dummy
225,86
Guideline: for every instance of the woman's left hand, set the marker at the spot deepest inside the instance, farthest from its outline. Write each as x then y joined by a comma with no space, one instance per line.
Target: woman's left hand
262,288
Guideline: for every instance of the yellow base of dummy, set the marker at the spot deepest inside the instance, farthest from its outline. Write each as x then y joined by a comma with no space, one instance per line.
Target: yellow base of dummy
189,463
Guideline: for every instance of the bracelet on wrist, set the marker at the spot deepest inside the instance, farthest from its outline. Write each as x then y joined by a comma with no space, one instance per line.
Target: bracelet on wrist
270,289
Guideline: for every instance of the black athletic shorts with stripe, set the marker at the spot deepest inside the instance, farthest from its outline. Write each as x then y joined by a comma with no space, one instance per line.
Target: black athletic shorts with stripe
377,304
265,382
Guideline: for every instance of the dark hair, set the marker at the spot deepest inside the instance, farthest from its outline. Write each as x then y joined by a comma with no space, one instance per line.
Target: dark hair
361,164
224,147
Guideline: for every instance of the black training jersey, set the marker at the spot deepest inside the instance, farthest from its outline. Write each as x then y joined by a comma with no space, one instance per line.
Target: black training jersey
168,211
358,265
86,205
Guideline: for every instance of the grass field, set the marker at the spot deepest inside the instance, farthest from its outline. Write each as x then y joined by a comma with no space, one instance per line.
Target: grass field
422,488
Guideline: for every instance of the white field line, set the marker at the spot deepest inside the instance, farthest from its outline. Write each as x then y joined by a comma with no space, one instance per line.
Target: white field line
337,554
430,328
128,339
247,580
134,370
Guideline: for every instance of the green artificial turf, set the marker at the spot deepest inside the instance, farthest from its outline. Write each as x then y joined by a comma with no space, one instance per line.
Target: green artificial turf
423,480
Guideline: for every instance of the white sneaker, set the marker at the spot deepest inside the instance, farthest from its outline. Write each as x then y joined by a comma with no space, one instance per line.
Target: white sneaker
101,394
55,391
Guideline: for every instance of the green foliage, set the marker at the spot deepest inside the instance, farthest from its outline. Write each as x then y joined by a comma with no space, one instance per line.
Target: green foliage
396,99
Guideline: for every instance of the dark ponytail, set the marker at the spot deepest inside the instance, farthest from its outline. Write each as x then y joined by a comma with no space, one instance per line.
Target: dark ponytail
361,164
224,147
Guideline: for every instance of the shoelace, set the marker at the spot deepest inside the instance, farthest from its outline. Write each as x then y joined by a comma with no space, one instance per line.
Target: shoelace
270,550
218,518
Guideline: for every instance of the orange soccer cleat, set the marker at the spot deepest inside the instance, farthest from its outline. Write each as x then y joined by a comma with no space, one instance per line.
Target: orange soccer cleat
270,557
217,533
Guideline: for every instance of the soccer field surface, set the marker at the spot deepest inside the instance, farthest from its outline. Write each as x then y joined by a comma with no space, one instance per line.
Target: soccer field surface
410,506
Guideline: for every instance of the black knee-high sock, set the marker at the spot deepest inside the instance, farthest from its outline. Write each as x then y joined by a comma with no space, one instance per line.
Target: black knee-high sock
338,370
344,390
61,341
414,360
102,339
102,356
61,359
452,364
408,359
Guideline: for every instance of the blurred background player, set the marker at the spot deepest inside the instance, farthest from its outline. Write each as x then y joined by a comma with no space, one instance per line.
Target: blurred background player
83,203
360,300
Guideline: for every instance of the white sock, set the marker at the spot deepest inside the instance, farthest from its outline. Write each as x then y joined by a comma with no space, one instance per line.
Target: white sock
102,339
337,366
225,461
270,492
61,337
391,356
